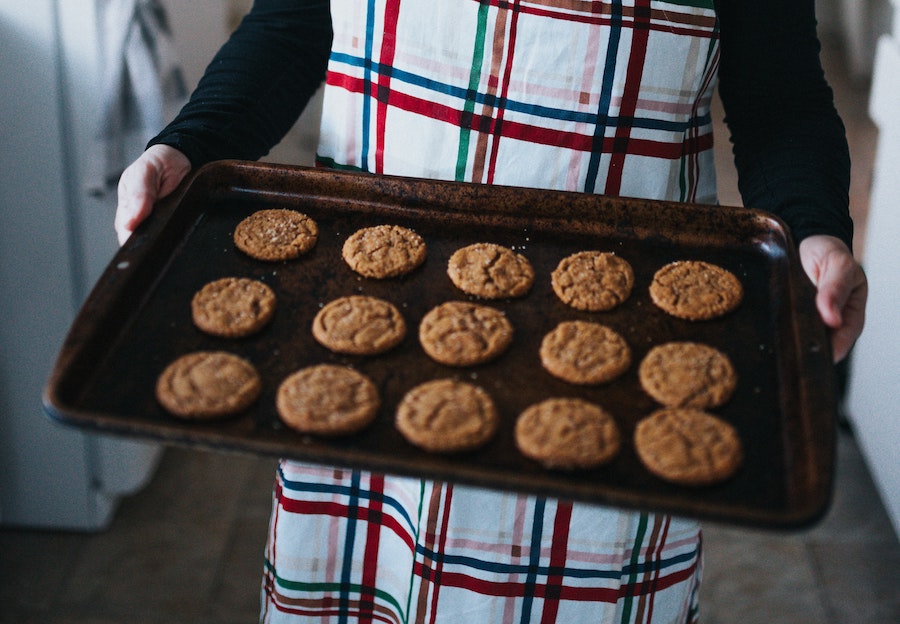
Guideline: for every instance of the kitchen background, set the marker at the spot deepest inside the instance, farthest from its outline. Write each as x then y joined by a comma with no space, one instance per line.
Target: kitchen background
96,529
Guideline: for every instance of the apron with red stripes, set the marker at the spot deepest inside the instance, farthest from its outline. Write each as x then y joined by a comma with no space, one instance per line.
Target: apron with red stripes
605,97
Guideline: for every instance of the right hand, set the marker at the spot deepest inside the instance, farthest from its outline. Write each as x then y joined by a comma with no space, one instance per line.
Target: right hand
155,174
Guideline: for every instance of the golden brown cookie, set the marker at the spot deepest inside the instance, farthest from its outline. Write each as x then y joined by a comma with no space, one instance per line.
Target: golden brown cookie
688,446
359,325
687,374
276,234
207,385
458,333
233,307
567,433
447,416
695,290
585,353
594,281
327,400
490,271
384,251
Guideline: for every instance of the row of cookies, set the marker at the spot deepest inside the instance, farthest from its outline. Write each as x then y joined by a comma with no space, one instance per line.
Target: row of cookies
456,333
447,415
212,384
682,445
356,325
442,415
679,443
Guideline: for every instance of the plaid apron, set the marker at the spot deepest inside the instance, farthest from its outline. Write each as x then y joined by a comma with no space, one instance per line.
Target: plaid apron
603,97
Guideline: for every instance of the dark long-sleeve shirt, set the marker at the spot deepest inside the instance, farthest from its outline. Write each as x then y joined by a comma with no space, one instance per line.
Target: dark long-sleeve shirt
789,143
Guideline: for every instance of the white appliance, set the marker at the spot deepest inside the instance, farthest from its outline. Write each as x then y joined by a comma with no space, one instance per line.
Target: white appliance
875,369
55,240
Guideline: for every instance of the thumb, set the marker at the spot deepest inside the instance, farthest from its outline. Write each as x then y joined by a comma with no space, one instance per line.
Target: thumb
841,289
155,174
831,297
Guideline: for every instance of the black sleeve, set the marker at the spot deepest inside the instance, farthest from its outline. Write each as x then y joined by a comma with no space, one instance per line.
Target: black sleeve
257,84
789,143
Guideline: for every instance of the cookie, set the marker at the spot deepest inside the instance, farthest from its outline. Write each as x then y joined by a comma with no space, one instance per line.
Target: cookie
384,251
687,374
490,271
359,325
447,416
233,307
327,400
208,385
584,353
276,234
688,446
458,333
593,281
567,433
695,290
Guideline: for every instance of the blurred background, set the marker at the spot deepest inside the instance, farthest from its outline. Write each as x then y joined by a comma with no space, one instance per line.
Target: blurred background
99,529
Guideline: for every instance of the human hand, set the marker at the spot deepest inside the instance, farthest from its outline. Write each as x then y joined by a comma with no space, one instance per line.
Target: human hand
155,174
841,289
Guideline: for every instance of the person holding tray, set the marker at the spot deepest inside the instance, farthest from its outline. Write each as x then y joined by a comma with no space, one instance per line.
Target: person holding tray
601,97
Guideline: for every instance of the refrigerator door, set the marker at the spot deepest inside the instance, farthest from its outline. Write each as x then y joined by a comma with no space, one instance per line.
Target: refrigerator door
55,240
874,372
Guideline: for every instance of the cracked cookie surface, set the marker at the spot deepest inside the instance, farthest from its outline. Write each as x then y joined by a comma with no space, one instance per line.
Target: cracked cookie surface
359,325
447,416
460,333
687,374
208,384
490,271
384,251
584,353
276,234
567,433
688,446
695,290
233,307
594,281
327,400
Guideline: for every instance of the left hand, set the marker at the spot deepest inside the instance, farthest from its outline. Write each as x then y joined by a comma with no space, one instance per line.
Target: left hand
841,289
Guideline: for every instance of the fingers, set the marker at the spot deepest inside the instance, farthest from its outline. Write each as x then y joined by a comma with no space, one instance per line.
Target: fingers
155,174
844,335
137,193
842,303
841,289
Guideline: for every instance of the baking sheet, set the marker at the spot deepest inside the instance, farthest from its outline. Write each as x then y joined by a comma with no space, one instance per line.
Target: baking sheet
137,320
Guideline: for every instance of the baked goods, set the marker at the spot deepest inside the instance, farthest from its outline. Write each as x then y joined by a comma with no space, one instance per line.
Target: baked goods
233,307
276,234
359,325
593,281
327,400
447,416
383,251
583,352
459,333
695,290
208,385
567,433
687,374
490,271
688,446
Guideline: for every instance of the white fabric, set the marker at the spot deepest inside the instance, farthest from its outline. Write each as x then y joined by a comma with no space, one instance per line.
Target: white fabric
142,86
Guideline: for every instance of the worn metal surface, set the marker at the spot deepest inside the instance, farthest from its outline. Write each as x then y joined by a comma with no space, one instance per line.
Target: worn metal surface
138,319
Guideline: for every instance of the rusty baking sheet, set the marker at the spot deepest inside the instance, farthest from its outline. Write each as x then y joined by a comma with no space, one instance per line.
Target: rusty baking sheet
137,319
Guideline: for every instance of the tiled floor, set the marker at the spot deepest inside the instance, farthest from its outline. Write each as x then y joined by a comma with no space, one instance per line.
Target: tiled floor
188,548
